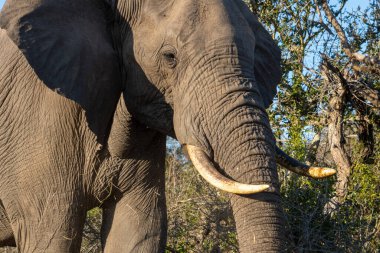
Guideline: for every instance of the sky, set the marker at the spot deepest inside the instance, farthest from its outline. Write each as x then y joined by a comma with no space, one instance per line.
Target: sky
352,4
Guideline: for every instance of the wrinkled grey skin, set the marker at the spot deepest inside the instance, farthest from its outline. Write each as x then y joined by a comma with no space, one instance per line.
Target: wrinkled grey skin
88,91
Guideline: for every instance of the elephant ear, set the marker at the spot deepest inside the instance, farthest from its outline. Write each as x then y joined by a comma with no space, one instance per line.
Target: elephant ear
68,45
267,67
267,63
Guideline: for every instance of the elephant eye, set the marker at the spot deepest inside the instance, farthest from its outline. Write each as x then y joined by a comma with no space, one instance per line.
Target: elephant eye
170,59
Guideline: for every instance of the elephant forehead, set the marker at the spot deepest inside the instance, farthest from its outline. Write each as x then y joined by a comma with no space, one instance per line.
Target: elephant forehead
182,20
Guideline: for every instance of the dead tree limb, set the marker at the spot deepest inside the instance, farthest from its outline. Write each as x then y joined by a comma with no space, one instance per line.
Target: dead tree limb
338,28
337,103
368,60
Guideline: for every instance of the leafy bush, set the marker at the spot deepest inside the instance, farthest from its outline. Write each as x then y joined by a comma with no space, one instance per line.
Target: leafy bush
200,218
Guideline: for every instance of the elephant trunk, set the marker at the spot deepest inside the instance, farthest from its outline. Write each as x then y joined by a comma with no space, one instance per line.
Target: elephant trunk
258,216
259,222
219,108
247,154
240,142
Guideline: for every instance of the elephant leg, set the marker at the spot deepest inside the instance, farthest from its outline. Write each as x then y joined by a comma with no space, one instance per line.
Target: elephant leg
136,221
130,228
6,233
50,224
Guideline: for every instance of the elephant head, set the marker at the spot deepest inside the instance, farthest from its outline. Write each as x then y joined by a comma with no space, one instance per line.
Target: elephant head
201,71
216,68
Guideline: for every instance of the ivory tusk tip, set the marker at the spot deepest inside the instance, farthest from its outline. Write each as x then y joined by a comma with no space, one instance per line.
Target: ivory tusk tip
248,188
321,172
261,187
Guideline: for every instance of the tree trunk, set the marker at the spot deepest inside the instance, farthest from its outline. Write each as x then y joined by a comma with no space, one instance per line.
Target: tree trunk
337,103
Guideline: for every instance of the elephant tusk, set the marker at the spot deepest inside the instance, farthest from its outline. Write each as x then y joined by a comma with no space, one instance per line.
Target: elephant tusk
300,168
206,169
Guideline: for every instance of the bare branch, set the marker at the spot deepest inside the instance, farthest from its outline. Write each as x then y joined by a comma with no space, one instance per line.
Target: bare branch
364,93
338,28
343,38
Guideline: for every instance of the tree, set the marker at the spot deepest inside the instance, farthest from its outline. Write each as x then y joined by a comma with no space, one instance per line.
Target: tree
327,112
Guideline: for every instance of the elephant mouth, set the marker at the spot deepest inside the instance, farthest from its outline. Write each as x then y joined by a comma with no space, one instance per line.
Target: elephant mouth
205,167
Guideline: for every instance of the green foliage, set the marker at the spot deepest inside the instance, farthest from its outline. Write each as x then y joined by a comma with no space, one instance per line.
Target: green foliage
309,228
353,226
195,208
91,232
200,218
363,203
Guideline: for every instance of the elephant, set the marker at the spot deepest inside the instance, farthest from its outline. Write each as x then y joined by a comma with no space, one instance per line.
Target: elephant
89,90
